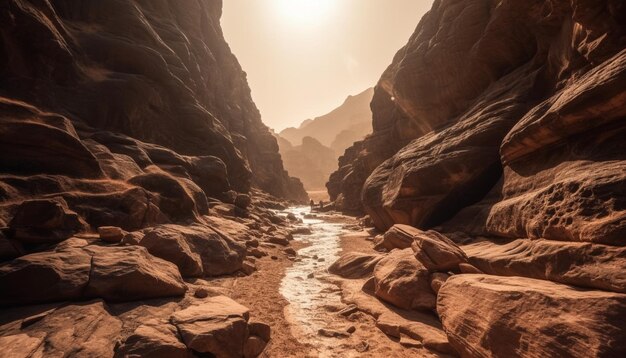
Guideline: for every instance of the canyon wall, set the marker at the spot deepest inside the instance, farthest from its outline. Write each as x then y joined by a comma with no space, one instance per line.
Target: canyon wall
521,100
88,86
500,127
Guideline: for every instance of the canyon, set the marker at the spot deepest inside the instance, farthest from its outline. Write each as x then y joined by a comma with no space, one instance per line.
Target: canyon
145,210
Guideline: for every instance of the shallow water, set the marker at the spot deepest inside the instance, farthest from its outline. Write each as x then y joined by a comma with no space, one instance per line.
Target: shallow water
310,297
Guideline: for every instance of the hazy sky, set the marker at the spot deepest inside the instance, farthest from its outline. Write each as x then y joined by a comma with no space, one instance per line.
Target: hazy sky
304,57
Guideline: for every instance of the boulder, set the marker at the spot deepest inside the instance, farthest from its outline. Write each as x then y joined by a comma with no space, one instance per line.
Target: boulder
355,265
153,341
220,336
218,326
128,208
170,245
196,249
302,230
398,236
280,238
243,201
437,279
42,221
45,276
130,273
403,281
436,252
492,316
211,174
260,329
111,234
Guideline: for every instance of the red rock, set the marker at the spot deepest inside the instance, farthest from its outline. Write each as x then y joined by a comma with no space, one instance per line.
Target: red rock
253,347
44,221
153,341
87,328
112,234
574,263
397,237
355,265
403,281
512,316
437,280
195,249
260,329
45,276
218,326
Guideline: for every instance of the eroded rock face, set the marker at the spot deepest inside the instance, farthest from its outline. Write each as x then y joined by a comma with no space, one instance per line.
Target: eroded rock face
197,250
489,316
501,124
574,263
77,271
505,90
176,97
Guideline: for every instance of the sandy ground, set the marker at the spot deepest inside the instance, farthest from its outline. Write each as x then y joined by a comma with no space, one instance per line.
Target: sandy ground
261,293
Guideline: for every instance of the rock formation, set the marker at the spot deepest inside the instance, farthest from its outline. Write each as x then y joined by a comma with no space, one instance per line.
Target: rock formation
115,88
500,127
129,148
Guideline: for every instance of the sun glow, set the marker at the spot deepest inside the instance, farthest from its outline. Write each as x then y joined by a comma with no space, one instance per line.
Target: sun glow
304,12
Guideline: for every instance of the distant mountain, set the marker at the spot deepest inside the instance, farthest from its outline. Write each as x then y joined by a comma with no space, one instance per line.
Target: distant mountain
310,151
348,123
311,161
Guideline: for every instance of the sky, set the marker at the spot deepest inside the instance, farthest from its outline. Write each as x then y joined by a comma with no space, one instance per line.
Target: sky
304,57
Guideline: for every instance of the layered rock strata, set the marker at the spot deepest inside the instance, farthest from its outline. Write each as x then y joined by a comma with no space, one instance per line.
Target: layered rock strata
499,129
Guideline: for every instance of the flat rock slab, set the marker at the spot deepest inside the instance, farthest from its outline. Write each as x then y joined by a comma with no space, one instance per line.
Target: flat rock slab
212,307
355,265
218,326
81,330
574,263
490,316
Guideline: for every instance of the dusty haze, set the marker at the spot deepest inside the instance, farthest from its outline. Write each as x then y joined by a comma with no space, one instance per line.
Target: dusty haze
301,67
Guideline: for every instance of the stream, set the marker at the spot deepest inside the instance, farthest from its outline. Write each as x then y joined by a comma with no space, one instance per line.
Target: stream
306,285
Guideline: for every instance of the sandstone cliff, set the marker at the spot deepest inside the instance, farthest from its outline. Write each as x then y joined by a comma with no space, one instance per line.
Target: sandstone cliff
501,125
88,80
520,99
132,161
